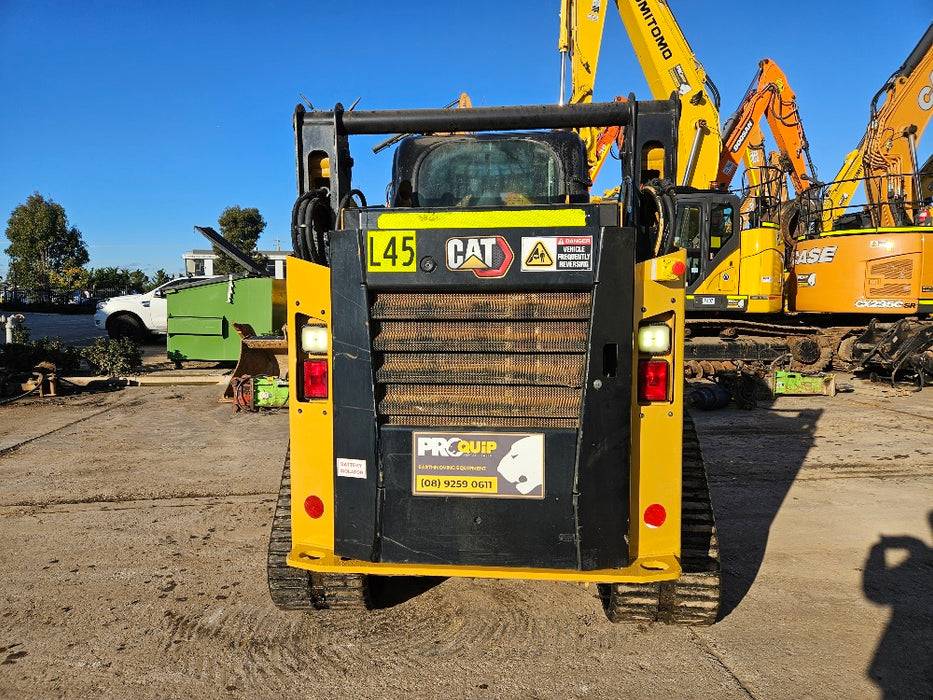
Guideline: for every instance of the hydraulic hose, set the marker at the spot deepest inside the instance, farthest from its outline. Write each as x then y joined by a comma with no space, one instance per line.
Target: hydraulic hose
658,197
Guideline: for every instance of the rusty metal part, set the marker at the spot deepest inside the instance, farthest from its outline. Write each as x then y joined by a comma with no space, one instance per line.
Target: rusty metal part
259,356
901,347
484,368
489,359
477,400
812,353
518,306
478,336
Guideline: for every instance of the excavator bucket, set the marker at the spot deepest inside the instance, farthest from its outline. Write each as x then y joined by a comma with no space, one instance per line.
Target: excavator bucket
260,355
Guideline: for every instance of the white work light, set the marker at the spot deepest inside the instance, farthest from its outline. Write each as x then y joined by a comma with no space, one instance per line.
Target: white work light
314,339
654,339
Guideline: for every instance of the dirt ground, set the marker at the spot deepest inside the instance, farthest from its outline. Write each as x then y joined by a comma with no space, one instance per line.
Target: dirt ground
132,564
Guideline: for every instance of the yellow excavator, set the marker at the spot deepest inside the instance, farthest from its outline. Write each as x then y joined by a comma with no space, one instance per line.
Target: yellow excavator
886,160
675,69
745,274
735,265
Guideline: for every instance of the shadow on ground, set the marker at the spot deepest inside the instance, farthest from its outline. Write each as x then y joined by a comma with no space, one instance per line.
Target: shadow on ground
762,451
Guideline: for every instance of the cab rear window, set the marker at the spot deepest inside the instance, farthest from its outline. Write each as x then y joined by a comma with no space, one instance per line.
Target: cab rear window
510,172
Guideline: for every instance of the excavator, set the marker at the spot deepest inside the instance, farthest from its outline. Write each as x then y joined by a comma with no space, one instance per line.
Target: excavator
746,273
886,158
878,259
769,96
735,266
675,70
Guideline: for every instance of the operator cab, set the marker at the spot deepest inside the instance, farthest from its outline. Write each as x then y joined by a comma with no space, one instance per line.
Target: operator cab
477,170
706,227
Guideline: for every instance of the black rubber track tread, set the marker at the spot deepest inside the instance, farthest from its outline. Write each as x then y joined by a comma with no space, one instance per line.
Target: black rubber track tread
340,591
692,599
299,589
289,587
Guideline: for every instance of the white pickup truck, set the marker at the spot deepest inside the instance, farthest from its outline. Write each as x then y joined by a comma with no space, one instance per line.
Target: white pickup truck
135,316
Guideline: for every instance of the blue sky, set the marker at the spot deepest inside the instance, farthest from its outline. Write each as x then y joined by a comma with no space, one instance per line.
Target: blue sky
145,119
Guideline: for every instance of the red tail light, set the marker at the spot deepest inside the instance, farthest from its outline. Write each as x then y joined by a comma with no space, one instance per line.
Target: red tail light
315,379
652,380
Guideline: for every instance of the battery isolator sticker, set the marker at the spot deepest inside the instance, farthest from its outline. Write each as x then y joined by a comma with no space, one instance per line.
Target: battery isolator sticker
557,254
391,251
353,468
503,465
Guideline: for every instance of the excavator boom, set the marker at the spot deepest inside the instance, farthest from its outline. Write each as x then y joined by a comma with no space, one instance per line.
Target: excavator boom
891,168
669,65
771,97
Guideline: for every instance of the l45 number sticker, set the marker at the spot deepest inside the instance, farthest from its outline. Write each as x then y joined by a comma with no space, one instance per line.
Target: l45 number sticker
391,251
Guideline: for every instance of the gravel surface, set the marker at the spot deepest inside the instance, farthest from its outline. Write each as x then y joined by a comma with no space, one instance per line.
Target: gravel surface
135,524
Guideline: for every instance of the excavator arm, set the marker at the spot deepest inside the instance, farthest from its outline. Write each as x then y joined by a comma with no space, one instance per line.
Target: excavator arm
669,65
892,173
771,97
839,192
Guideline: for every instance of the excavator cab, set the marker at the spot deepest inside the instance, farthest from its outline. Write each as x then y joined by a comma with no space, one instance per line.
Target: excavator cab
707,224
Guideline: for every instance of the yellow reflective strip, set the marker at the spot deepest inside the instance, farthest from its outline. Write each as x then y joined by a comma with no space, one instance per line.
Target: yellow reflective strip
501,218
866,231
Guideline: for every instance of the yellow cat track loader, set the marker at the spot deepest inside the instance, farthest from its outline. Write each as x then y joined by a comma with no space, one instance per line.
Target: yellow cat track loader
486,373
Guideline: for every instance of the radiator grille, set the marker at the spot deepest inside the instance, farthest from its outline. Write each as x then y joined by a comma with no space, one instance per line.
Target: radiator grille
890,290
481,360
888,275
893,269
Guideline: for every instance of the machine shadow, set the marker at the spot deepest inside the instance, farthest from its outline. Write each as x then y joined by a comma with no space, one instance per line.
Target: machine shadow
752,459
389,591
899,573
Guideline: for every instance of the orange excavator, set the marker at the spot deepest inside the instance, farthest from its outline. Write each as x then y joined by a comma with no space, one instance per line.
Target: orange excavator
770,97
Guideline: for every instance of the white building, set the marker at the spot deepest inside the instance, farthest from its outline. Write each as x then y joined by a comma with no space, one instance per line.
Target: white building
201,262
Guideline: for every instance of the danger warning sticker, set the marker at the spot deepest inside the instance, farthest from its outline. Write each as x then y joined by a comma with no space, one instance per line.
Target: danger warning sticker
557,254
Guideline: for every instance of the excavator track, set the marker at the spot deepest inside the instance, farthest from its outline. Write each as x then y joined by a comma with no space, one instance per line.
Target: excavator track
692,599
298,589
743,342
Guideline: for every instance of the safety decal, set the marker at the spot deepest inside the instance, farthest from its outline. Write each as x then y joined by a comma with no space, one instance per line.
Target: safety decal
500,465
484,256
353,468
557,254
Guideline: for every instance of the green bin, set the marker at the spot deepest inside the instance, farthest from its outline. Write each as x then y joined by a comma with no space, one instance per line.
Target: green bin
201,315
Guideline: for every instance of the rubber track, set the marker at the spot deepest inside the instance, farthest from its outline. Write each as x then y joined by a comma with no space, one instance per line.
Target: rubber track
692,599
298,589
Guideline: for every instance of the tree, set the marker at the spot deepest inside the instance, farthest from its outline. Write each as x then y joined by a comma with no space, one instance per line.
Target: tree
139,282
242,228
119,279
160,277
42,244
